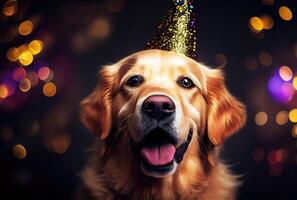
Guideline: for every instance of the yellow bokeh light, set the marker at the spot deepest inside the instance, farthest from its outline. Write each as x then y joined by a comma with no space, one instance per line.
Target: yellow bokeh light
12,54
294,131
265,59
3,91
256,24
282,117
10,8
26,27
285,13
295,83
35,47
285,73
293,115
261,118
49,89
267,22
26,58
25,85
19,151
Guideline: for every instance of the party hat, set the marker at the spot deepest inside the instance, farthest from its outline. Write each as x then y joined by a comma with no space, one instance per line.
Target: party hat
177,31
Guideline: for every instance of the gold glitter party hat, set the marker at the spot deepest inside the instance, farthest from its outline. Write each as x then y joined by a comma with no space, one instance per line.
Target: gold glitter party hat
177,31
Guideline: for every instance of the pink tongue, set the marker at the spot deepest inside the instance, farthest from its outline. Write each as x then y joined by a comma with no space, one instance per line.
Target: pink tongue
158,155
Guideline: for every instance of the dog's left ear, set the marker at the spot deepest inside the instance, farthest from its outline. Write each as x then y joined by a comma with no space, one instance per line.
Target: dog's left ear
226,114
96,108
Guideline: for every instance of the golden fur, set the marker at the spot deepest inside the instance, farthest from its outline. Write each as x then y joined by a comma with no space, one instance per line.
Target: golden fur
209,110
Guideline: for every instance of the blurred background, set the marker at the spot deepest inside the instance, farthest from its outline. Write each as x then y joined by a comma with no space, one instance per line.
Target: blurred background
51,51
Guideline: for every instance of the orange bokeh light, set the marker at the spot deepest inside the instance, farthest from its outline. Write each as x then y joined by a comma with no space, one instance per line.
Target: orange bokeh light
19,151
3,91
10,8
285,73
285,13
26,27
49,89
25,85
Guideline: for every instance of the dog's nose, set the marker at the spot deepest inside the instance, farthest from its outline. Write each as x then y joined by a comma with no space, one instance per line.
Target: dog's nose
158,106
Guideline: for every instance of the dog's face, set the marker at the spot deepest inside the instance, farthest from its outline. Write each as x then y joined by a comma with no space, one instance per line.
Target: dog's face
156,102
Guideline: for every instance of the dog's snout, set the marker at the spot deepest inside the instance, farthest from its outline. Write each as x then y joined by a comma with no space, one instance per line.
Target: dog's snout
158,106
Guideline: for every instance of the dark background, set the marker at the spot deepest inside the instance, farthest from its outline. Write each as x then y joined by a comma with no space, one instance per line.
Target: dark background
49,127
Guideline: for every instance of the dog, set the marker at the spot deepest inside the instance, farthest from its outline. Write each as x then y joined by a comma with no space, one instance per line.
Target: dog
161,118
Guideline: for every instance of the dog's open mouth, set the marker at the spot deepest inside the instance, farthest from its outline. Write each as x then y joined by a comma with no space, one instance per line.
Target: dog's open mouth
158,152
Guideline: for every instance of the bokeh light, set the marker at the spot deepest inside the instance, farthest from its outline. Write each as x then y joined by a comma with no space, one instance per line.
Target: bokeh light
256,24
279,89
12,54
100,29
26,27
59,144
10,8
25,85
282,117
115,6
261,118
276,170
50,76
19,74
293,115
221,59
43,73
258,154
10,87
265,59
267,22
285,13
26,58
22,49
268,2
287,90
35,47
49,89
295,83
276,157
294,131
6,133
285,73
3,91
33,78
19,151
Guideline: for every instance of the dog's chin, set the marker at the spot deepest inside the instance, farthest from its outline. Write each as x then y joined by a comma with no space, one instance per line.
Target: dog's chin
158,171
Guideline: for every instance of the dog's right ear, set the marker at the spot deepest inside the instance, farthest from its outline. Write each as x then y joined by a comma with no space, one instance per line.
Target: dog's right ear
96,108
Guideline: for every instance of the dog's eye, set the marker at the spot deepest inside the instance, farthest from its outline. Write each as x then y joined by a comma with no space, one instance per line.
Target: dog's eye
135,81
186,82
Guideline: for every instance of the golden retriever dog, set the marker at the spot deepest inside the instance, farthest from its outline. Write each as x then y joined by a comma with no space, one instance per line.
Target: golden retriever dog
161,118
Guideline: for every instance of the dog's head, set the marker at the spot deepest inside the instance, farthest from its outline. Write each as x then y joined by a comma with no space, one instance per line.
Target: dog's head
155,103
